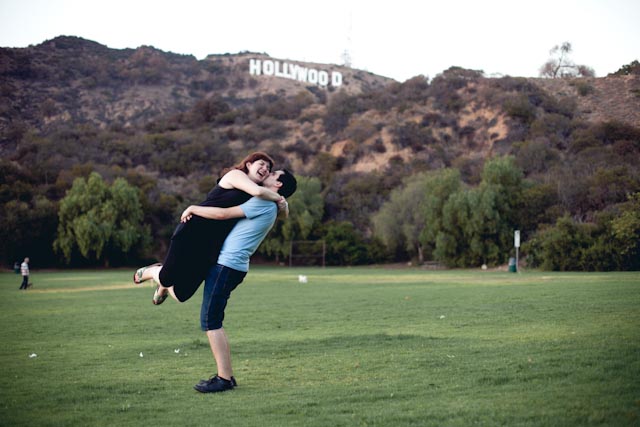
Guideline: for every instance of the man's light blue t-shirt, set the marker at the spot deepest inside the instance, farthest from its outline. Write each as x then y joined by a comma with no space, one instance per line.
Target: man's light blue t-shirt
248,233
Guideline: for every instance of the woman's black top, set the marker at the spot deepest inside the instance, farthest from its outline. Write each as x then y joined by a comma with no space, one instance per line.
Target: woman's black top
195,245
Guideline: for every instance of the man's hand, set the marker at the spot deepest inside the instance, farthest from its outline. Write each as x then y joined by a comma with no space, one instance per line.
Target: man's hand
187,214
283,207
211,212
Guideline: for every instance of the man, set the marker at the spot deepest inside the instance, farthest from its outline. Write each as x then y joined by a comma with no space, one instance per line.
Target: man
233,264
24,270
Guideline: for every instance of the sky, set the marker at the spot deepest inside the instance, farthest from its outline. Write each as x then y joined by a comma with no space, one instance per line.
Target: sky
392,38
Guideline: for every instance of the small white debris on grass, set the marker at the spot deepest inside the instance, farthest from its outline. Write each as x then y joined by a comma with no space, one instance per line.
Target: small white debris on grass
32,355
141,355
176,351
302,279
442,316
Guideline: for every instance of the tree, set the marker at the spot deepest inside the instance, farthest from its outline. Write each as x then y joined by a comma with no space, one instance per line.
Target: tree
561,66
626,232
632,68
28,229
100,221
477,224
354,197
503,175
452,241
400,221
344,245
439,186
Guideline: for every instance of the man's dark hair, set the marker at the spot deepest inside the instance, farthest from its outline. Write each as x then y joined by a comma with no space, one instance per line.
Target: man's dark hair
289,183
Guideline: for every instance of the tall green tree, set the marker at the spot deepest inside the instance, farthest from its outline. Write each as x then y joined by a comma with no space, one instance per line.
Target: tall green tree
452,240
400,221
477,224
501,198
439,186
100,221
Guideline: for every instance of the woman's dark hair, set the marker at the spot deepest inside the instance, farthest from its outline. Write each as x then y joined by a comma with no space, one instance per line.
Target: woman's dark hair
253,157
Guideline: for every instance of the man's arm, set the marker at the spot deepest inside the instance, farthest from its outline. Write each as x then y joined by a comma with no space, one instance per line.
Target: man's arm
211,212
240,180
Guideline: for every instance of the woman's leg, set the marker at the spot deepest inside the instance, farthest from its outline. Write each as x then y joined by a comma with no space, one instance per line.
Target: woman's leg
154,273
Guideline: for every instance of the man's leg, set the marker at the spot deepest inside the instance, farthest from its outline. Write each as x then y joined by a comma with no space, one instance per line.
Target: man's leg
219,284
221,352
25,282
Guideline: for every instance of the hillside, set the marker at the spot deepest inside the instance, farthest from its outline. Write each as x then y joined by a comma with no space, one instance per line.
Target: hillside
69,79
169,123
72,81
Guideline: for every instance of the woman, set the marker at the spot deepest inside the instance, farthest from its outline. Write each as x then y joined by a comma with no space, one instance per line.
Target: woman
195,245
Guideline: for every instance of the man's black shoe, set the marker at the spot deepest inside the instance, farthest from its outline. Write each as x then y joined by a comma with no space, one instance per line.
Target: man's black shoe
214,385
233,381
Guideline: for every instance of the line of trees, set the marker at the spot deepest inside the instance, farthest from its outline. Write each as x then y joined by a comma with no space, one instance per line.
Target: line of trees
435,216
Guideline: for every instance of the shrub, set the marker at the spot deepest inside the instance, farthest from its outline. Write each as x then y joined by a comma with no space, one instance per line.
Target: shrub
612,131
413,135
560,247
360,130
339,111
535,156
582,139
519,107
583,87
555,127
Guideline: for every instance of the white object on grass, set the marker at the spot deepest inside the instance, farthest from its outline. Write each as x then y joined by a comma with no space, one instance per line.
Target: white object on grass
302,279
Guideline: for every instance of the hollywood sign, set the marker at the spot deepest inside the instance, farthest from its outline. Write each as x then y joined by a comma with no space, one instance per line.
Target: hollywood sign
286,70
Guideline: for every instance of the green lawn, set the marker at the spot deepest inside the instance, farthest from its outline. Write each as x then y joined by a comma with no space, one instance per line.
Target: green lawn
353,346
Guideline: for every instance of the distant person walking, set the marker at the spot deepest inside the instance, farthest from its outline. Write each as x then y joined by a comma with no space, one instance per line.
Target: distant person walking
24,270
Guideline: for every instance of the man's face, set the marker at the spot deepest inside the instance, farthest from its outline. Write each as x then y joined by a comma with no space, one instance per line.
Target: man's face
272,179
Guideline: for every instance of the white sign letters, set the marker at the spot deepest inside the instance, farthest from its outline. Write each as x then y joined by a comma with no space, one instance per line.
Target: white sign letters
286,70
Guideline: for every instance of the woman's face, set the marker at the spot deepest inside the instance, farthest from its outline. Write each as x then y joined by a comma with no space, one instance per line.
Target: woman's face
258,170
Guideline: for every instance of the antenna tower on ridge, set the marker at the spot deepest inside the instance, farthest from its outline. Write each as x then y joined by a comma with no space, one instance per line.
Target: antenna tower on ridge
346,54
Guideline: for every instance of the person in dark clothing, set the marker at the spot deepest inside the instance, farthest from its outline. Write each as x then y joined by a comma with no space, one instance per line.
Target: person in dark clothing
24,270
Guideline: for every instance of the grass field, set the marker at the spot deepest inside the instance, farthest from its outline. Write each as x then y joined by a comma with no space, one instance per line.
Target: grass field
353,346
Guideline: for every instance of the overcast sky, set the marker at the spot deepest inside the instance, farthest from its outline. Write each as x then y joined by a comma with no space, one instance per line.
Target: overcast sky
393,38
